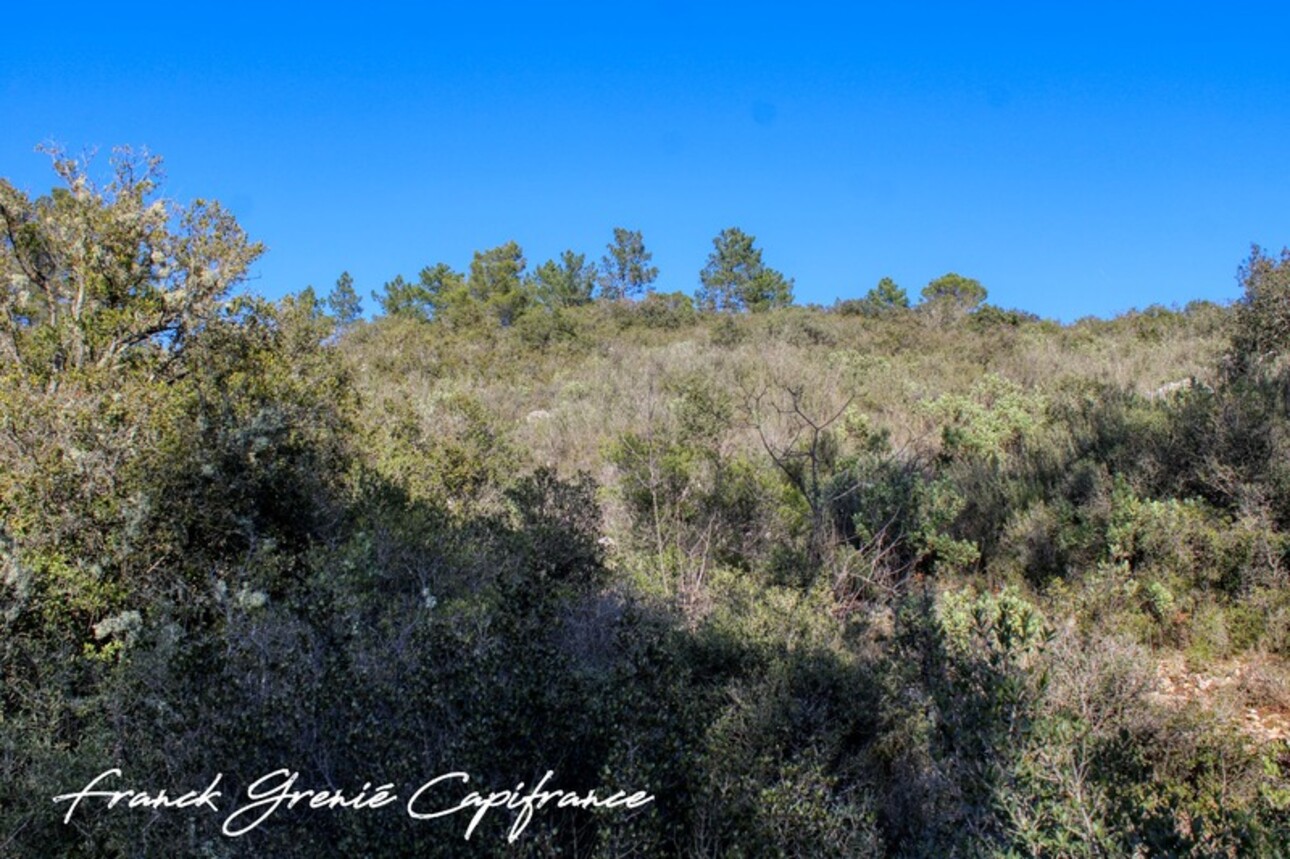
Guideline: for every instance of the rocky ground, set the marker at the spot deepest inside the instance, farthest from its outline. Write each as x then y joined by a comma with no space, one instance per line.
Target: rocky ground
1254,691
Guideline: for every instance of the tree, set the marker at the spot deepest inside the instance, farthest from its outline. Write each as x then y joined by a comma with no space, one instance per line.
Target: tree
343,301
567,283
736,279
401,298
1262,331
92,274
804,448
446,294
884,299
496,281
439,293
625,271
951,296
887,296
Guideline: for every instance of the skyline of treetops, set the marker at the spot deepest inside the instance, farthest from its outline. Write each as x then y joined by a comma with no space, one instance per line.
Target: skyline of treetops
501,286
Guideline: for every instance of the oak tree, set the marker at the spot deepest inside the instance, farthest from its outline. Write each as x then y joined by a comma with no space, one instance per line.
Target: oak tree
90,274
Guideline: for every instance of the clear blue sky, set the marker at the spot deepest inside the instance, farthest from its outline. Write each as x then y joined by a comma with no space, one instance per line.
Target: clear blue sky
1077,161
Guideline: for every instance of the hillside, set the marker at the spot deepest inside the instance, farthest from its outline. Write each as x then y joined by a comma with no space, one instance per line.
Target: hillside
852,581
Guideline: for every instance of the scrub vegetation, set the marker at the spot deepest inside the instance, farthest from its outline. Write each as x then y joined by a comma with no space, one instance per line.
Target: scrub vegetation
887,578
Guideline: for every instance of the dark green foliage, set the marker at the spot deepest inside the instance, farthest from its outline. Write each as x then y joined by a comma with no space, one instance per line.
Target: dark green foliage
560,524
964,721
495,290
735,278
567,283
625,271
1262,330
952,296
664,310
884,299
887,296
411,300
496,282
988,317
343,301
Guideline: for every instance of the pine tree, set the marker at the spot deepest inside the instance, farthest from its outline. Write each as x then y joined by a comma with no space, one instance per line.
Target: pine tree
344,303
736,279
625,271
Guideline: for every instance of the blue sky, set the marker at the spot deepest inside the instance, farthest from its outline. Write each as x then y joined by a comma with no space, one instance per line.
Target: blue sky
1077,161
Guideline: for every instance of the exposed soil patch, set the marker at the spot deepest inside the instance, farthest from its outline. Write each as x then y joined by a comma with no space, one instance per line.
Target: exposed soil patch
1255,691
